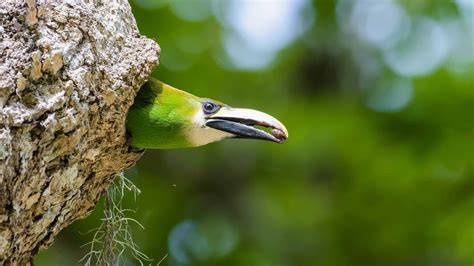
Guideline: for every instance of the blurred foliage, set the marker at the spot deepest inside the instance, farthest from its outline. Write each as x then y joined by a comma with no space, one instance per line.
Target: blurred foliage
378,97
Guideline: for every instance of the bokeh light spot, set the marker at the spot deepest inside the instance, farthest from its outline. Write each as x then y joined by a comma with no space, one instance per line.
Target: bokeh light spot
424,49
381,24
461,44
192,242
259,29
186,244
390,95
191,10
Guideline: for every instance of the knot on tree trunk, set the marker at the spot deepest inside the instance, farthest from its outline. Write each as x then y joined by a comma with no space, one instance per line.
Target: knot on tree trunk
68,74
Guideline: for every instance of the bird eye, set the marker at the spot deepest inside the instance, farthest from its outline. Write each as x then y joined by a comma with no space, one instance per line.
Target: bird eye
209,107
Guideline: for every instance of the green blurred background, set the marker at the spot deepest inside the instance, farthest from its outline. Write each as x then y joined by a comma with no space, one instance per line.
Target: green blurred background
378,97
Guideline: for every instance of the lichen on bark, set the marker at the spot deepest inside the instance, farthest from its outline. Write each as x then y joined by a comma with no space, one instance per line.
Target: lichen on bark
69,71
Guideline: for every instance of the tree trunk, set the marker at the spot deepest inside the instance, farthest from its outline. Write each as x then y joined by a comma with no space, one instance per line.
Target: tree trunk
68,74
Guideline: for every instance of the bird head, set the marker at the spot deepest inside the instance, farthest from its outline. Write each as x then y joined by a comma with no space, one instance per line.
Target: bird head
165,117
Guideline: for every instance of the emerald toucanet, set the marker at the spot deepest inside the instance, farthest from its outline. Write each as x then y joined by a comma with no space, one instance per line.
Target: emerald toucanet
164,117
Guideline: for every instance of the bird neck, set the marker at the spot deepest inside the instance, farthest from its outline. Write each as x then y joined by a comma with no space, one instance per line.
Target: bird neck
160,115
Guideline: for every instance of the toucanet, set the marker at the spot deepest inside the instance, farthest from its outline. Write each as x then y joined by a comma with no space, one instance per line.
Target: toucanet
163,117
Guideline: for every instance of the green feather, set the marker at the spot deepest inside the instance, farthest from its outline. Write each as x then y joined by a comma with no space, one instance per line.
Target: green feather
160,116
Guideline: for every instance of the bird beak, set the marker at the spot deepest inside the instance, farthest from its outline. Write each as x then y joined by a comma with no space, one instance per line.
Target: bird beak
241,123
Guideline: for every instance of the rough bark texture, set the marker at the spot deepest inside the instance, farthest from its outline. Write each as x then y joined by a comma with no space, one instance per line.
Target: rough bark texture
68,74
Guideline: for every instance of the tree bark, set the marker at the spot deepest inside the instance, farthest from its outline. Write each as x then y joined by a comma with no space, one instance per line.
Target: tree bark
68,74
